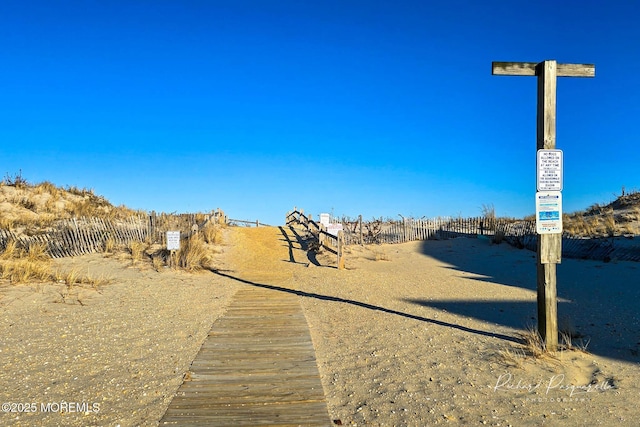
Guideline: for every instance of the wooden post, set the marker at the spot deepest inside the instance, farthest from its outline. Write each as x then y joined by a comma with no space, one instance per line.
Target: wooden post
321,234
549,245
340,251
361,235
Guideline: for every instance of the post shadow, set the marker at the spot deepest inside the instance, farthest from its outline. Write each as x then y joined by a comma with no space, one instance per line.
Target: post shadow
304,245
367,306
580,304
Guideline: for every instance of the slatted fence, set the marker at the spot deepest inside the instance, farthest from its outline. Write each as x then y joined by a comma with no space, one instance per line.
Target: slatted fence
518,233
78,236
522,234
411,229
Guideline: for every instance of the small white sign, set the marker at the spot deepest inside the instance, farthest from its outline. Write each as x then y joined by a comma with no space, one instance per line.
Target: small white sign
333,229
324,219
549,168
173,240
548,212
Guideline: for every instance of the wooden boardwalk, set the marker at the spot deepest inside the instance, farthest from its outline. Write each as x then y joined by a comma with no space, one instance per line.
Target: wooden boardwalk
257,367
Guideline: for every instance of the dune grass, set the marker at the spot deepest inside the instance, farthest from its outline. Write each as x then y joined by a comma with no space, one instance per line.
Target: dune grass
20,266
38,206
194,254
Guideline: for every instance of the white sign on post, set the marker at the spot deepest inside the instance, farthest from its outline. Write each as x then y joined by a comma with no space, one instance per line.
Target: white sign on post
173,240
548,212
333,229
549,170
324,219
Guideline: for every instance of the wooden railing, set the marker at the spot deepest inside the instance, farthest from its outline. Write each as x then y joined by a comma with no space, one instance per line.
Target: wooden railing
246,223
333,243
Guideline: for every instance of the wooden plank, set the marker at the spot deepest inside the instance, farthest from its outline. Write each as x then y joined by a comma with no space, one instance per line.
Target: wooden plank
256,367
529,69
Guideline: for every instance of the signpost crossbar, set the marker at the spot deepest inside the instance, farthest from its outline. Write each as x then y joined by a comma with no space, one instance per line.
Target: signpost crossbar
529,69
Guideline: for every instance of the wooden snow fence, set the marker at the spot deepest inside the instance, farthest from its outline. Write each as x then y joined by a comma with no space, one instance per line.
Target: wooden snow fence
522,234
519,233
187,223
379,231
78,236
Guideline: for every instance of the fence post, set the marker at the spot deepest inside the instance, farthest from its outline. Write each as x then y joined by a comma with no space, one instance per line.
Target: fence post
321,236
405,236
152,225
340,250
361,235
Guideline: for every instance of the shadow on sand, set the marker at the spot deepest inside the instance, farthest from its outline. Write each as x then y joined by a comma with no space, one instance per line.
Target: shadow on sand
597,302
366,306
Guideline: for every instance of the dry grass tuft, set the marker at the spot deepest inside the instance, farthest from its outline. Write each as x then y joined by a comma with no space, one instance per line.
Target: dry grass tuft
11,250
95,281
70,277
8,223
158,262
212,234
109,245
17,180
137,250
533,343
23,270
567,343
37,252
193,254
512,357
20,266
532,348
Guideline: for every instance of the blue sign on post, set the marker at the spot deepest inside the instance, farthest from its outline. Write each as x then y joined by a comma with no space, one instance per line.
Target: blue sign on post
548,212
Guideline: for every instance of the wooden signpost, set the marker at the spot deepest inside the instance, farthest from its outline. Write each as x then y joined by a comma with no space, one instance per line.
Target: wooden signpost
173,245
549,245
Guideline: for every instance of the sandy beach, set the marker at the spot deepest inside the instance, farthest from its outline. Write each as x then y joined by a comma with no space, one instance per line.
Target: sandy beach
415,334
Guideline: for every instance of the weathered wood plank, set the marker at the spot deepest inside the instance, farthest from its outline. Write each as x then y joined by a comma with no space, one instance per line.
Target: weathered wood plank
529,69
256,367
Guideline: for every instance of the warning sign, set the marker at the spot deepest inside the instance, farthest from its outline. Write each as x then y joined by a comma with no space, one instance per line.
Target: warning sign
173,240
549,212
549,170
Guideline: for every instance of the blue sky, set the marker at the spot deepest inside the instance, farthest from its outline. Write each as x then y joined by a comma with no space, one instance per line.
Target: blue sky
369,107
